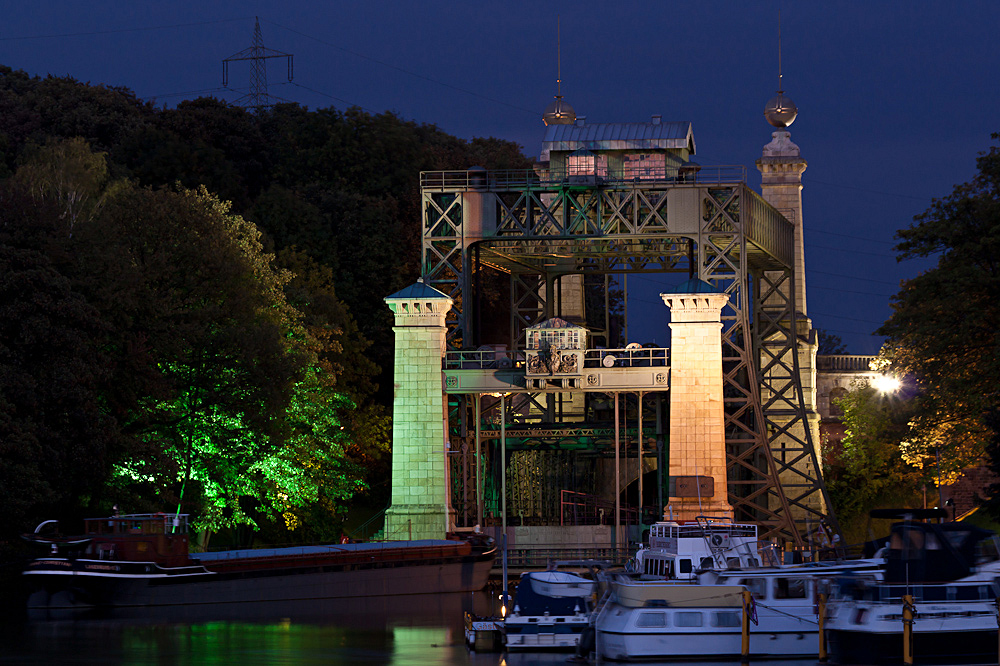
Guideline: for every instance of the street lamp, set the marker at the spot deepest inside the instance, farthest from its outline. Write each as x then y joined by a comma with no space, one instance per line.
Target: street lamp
886,383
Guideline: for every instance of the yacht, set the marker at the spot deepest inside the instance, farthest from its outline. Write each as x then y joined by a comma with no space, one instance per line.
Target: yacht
950,572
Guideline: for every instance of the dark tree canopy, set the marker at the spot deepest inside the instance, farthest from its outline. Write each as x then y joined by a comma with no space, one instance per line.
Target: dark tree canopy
57,441
943,329
221,274
830,343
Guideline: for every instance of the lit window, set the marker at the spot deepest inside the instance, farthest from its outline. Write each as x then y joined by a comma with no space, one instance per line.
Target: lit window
645,166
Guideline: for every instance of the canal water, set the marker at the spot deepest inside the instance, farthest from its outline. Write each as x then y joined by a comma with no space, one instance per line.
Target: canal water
425,630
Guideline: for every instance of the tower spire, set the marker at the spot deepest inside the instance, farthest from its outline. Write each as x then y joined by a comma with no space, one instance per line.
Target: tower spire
558,57
780,111
559,112
780,90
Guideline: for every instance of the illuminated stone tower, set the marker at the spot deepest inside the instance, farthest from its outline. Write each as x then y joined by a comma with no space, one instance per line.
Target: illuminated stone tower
697,414
421,507
781,167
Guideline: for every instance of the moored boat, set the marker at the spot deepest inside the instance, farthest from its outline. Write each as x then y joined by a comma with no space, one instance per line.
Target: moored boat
677,550
142,560
945,575
550,610
646,619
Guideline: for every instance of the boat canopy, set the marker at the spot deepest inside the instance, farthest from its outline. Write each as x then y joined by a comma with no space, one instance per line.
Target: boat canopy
932,552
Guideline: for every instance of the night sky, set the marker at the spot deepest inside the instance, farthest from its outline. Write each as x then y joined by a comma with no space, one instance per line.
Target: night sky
895,99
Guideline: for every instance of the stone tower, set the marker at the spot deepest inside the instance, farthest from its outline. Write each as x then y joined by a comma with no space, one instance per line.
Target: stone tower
781,167
420,500
697,420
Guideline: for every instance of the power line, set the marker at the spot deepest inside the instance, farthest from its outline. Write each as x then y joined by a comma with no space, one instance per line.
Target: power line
840,330
191,92
403,70
849,291
864,238
257,54
344,101
120,30
813,313
851,277
862,189
848,249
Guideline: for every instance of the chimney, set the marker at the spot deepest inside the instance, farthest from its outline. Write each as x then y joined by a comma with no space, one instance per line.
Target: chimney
581,121
656,119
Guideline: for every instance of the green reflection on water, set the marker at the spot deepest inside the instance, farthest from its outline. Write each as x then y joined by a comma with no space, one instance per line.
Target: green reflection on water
284,642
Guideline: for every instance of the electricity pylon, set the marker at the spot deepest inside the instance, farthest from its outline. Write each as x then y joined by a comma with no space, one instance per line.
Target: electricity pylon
258,98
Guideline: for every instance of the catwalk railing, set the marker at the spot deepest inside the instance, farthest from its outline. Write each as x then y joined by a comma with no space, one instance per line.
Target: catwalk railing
474,179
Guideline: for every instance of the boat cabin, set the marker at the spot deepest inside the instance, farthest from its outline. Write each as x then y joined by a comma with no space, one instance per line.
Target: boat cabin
139,537
678,550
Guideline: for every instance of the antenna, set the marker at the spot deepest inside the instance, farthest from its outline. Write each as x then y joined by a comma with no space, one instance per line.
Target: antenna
780,112
558,57
559,112
780,89
258,98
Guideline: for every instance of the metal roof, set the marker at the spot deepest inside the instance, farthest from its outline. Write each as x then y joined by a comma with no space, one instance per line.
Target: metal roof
418,291
619,136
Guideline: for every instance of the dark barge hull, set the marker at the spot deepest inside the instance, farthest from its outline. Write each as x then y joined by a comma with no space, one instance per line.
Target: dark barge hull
957,647
371,570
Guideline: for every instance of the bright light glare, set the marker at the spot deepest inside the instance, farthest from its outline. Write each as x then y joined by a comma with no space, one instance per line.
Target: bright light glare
886,384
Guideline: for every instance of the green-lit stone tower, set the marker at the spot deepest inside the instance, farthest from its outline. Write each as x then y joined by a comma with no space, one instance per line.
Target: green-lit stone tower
420,499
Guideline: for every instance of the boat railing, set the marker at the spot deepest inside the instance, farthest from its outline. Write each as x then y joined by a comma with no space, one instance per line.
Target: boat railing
542,557
954,591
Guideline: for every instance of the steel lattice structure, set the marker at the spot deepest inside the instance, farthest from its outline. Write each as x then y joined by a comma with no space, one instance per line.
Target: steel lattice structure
258,98
536,227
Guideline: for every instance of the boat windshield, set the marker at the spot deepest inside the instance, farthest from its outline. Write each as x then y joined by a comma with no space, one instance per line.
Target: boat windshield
139,523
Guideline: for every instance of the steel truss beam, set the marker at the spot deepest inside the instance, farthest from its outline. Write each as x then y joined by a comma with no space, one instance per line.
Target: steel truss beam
740,243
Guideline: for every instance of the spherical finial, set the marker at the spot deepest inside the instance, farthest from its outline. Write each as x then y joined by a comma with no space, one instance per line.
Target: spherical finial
559,112
780,111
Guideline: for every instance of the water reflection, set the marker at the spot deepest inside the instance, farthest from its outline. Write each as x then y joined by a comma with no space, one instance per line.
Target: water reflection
424,630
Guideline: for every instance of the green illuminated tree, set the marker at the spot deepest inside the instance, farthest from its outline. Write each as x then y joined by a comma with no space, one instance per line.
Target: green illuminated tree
220,351
869,471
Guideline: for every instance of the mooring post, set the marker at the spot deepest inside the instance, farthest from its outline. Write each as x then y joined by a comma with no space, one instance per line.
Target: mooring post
745,644
998,626
821,621
908,612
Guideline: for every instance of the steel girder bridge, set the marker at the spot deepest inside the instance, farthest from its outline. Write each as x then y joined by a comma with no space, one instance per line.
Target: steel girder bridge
534,228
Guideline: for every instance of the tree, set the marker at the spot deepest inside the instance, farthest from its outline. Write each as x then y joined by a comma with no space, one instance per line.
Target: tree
66,172
186,283
57,440
869,471
830,343
943,329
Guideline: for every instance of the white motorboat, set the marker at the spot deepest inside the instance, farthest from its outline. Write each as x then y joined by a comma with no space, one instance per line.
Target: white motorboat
648,619
950,571
687,600
550,610
678,550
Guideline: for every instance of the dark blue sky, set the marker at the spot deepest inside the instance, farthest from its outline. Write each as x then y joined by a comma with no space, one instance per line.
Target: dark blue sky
895,98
